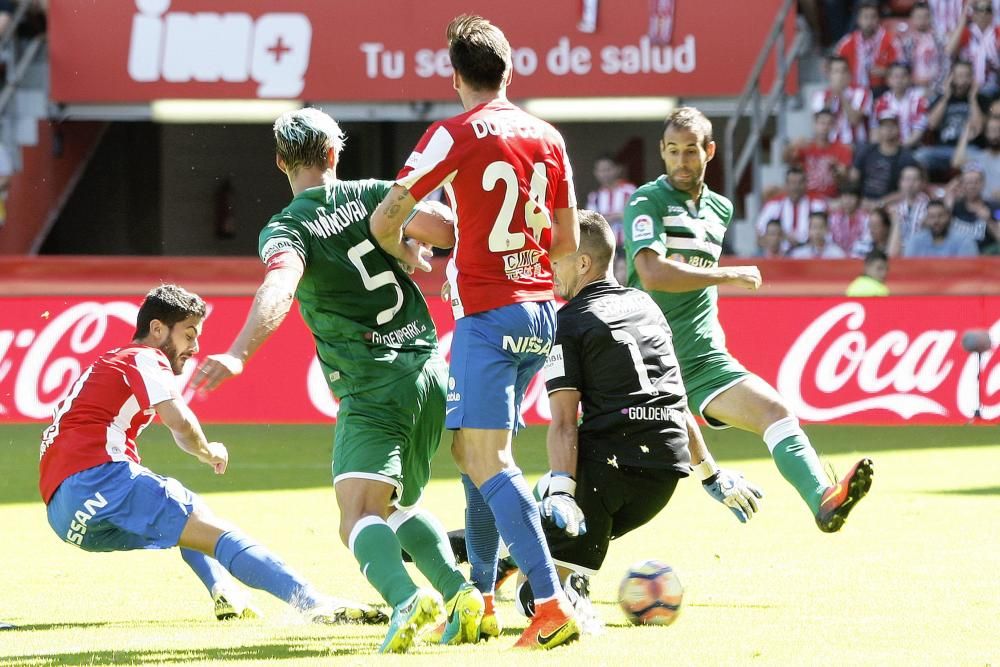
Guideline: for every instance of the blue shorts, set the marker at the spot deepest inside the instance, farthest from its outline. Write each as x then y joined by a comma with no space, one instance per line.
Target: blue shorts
120,506
494,355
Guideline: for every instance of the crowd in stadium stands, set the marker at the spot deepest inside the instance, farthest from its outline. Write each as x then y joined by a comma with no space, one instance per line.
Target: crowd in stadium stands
904,158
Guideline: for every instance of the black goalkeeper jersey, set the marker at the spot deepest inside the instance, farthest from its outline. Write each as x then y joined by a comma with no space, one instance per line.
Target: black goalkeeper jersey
614,346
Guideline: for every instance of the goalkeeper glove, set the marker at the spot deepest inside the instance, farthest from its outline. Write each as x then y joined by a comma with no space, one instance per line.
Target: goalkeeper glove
559,509
731,489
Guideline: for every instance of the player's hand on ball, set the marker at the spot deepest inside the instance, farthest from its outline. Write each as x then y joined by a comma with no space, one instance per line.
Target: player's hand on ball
218,457
215,370
734,491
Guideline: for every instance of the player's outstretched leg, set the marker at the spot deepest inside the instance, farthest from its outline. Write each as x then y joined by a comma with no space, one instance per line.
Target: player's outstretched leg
424,539
229,600
257,567
841,498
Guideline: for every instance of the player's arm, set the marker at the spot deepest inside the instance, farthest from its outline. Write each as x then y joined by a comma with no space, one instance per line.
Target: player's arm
387,227
565,233
558,507
561,441
665,275
727,486
432,223
270,306
189,436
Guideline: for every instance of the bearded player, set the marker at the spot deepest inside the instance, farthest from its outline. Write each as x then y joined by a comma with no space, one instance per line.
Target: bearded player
508,178
674,228
100,498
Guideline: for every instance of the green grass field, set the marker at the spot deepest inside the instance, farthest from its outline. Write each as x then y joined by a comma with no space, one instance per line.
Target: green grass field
912,578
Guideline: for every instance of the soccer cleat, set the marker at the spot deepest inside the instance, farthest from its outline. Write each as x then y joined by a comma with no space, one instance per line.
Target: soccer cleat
840,499
335,611
420,610
552,625
577,588
490,626
506,568
4,625
465,614
229,605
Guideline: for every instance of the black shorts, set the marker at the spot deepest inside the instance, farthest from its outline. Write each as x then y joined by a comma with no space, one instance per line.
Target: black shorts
625,498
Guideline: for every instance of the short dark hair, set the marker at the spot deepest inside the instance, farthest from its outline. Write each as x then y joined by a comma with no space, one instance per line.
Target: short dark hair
479,52
691,119
876,255
901,64
940,203
169,304
868,4
596,238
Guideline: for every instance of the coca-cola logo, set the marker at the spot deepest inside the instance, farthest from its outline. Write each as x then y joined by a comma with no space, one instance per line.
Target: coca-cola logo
55,355
836,359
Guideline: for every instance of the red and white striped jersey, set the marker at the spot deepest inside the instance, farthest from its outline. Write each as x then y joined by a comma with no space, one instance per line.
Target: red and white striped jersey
863,54
794,216
910,110
505,173
843,132
104,412
979,47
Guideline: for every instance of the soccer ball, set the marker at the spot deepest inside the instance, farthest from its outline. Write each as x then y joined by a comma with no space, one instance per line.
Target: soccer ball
650,594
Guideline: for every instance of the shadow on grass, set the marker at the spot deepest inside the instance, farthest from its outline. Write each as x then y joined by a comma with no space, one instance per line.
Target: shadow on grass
983,491
265,457
259,652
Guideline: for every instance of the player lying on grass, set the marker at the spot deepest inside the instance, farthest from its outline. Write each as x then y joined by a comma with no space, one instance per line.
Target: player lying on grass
674,227
377,345
618,467
100,498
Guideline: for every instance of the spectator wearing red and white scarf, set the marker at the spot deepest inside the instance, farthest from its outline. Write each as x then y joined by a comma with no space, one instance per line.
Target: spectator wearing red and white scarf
870,49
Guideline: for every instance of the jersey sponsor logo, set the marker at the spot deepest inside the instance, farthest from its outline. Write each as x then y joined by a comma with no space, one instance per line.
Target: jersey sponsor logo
528,344
555,365
615,306
676,210
272,50
328,224
78,527
642,228
653,413
397,337
275,245
523,264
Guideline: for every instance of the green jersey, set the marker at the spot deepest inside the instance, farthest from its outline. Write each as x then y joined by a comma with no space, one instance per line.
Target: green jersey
668,222
369,320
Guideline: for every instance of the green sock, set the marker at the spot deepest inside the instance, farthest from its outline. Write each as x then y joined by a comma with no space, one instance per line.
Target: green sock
425,540
378,553
797,460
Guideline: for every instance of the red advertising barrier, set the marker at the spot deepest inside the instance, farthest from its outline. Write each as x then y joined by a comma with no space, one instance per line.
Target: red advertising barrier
381,50
872,361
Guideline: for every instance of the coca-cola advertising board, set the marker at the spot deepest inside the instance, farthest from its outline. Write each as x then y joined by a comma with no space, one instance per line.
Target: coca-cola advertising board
394,50
870,361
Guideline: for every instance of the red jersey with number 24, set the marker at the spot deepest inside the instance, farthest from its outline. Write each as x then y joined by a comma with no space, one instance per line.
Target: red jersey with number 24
505,172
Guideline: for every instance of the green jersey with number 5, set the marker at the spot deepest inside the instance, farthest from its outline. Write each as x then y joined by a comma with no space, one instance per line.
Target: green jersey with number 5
368,318
668,222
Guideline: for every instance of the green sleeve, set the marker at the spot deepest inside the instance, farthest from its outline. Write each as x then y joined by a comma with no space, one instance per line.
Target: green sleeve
281,234
643,226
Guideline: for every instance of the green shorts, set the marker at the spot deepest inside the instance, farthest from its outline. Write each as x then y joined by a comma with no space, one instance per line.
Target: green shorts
707,376
391,433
